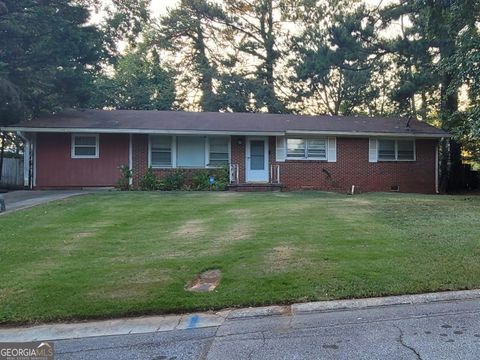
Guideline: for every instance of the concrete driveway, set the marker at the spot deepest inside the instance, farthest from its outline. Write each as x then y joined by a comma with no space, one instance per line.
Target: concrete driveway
22,199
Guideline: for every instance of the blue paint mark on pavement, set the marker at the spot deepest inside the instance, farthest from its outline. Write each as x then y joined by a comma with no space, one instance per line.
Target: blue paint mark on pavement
192,324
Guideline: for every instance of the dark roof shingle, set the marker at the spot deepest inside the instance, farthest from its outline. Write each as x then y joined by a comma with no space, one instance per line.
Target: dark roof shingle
144,120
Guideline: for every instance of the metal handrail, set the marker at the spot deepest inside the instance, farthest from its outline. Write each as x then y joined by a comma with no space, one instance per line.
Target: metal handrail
275,174
234,173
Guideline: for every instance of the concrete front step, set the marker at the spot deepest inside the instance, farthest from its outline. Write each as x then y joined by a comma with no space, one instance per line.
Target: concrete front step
255,187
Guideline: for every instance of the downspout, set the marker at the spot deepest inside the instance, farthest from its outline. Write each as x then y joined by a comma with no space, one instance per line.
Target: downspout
436,167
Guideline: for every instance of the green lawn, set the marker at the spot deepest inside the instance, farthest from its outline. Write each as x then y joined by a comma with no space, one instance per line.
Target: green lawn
115,254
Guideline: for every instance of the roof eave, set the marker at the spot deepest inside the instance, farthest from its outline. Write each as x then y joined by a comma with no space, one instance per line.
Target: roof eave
223,132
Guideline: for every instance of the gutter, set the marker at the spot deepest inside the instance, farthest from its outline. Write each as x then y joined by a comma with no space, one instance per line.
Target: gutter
232,133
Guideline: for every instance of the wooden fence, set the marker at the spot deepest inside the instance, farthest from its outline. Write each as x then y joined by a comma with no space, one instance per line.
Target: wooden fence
12,174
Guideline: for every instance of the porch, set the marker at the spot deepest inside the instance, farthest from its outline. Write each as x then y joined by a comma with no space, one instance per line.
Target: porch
273,183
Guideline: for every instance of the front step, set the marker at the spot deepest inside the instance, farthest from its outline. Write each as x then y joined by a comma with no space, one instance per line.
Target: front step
255,187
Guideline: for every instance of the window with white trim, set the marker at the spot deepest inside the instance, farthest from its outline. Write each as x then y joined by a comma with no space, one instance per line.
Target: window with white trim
396,150
307,148
189,151
85,146
218,152
160,151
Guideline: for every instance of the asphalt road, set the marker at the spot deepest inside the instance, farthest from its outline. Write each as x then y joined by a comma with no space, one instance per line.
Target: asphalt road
445,330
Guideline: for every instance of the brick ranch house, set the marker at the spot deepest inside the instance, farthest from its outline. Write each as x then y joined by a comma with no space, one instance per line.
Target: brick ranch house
85,148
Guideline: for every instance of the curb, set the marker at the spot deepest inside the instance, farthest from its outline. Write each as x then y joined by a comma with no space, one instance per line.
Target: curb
140,325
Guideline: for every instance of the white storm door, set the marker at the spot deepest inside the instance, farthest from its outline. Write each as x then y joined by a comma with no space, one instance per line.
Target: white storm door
257,160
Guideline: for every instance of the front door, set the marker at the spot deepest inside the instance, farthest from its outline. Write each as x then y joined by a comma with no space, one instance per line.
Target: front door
257,160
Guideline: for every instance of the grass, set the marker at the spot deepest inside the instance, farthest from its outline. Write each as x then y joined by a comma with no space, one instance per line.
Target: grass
115,254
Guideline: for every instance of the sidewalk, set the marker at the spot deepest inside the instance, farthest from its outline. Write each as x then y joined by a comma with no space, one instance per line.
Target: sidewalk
152,324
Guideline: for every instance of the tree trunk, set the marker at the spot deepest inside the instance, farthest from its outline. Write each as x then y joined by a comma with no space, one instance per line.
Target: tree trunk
208,101
451,162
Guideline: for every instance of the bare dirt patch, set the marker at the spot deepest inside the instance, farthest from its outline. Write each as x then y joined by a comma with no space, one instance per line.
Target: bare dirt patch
192,228
280,258
205,282
133,284
241,229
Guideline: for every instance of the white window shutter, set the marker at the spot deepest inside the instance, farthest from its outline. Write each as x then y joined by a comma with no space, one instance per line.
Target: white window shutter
373,150
281,149
332,149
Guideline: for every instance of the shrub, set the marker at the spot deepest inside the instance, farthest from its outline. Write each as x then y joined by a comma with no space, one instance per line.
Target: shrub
149,181
123,183
174,180
222,179
201,180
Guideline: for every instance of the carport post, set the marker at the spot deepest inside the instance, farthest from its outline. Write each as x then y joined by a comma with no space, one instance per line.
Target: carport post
26,159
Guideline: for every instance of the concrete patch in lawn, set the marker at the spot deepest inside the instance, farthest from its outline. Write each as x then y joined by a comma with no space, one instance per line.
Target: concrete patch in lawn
205,282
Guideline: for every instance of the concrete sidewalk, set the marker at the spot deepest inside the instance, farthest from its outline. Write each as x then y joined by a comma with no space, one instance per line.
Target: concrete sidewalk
22,199
152,324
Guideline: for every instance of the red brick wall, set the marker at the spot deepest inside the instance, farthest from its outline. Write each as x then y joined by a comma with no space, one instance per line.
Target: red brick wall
55,167
140,162
352,168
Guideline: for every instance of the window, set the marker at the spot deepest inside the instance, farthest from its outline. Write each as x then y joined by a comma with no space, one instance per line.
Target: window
218,151
85,146
386,149
191,151
307,149
160,151
396,150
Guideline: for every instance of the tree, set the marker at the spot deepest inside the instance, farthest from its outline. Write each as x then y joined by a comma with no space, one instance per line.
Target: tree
138,83
189,30
336,59
124,22
48,54
257,25
433,40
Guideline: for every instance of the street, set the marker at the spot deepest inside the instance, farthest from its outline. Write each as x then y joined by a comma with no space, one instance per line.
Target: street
441,330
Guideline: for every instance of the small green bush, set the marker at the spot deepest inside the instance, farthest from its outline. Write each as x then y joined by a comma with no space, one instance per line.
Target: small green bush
222,180
123,183
201,180
149,181
174,180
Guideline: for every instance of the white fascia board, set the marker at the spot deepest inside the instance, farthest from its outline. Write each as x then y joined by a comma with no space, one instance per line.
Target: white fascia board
232,133
366,134
144,131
